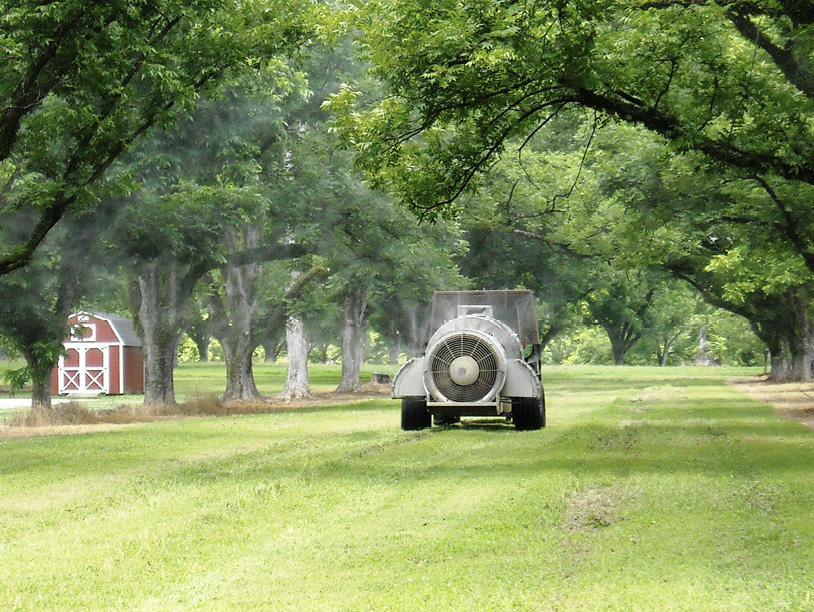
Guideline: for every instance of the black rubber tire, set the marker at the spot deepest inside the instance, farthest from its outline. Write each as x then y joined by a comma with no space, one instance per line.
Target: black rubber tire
528,413
414,414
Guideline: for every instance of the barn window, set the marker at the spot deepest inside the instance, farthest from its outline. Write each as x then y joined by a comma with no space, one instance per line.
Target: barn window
83,332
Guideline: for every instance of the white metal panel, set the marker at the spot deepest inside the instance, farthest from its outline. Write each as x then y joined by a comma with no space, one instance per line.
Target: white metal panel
409,382
521,381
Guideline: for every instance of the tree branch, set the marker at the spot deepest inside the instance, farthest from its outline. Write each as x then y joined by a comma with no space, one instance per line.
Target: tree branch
790,224
784,58
673,129
267,252
27,95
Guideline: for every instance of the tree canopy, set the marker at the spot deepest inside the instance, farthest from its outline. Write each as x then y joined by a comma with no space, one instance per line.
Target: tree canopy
475,79
81,81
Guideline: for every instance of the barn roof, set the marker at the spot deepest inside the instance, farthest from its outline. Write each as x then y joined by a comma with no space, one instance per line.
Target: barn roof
125,328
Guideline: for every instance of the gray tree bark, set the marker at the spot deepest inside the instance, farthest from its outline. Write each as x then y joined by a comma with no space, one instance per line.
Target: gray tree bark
393,351
296,380
238,345
160,315
802,343
40,367
235,318
351,329
416,343
780,363
270,348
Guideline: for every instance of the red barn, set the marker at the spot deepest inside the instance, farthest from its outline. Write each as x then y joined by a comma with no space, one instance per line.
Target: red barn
102,355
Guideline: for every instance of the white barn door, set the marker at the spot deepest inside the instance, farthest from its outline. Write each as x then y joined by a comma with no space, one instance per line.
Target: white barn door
85,369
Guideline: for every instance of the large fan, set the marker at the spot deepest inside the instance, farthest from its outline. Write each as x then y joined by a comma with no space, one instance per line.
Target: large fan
466,366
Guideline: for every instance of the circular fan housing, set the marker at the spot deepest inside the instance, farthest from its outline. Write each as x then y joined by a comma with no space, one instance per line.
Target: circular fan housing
465,366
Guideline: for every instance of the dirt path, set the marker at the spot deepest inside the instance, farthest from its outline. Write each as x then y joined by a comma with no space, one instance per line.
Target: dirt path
793,401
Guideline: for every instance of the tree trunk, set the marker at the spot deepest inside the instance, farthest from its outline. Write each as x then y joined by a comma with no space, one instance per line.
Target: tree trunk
802,360
622,340
41,395
161,322
393,351
199,332
233,317
40,365
238,345
270,348
240,383
202,344
703,348
416,344
296,380
619,352
42,357
159,386
780,364
802,344
666,348
351,331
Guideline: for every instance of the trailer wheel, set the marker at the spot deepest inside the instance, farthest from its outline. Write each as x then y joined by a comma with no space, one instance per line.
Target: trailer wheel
414,414
528,413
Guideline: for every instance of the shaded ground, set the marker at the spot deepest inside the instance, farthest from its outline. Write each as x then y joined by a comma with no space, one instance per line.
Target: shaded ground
794,401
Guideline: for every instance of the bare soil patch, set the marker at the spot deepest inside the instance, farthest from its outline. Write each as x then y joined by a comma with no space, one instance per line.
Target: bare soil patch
594,508
76,418
794,401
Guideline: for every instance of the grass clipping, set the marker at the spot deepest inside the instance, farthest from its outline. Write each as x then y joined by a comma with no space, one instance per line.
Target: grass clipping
71,414
75,417
593,509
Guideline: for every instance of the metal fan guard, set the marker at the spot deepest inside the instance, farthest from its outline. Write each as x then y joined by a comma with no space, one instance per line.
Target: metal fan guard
485,352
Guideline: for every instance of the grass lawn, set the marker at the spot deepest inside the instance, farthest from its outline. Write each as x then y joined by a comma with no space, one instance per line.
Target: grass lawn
209,379
651,489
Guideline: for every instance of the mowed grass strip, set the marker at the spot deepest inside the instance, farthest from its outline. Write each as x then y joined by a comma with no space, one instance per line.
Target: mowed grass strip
650,489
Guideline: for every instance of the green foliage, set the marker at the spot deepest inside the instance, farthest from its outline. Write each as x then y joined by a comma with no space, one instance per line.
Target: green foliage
475,75
188,351
586,345
730,341
700,141
34,307
81,82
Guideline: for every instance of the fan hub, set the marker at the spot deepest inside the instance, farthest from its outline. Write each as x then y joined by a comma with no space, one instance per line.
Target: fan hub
464,371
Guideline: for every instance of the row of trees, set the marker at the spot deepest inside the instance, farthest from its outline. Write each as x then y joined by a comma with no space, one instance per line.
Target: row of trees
593,152
691,127
242,222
